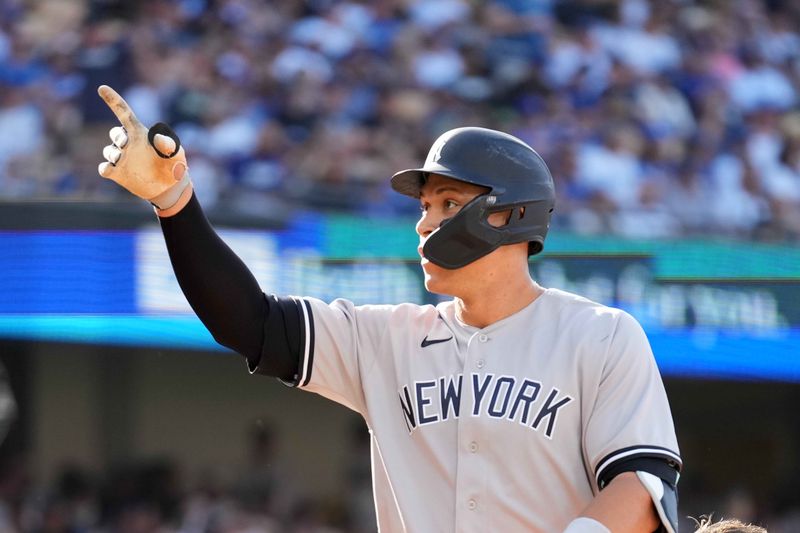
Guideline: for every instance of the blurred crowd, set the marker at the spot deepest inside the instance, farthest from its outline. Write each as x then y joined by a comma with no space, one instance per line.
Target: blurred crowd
658,118
155,496
262,496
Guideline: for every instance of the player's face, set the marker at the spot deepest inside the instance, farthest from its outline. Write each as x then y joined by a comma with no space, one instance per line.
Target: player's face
441,198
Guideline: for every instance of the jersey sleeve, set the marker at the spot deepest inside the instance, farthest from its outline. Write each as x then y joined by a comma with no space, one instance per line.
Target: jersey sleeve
630,422
338,345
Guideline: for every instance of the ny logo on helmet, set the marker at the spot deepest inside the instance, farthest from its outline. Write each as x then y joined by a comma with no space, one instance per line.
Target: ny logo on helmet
436,153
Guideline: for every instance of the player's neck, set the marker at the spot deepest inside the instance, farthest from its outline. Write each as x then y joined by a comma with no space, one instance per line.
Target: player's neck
493,304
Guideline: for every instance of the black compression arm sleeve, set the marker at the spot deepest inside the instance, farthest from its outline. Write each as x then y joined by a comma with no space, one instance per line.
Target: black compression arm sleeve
220,288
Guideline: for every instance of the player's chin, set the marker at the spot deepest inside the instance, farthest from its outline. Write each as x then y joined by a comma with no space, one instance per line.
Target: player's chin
435,278
436,287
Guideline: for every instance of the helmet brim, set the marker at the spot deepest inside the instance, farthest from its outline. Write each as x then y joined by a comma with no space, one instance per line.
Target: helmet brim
410,181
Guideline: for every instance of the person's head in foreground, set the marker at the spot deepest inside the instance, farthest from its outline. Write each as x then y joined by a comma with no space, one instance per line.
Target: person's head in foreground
705,525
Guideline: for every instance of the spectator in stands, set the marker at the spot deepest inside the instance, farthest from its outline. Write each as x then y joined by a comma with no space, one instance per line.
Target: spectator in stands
364,86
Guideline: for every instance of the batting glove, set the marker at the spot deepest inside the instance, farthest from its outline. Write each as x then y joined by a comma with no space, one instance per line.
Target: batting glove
149,163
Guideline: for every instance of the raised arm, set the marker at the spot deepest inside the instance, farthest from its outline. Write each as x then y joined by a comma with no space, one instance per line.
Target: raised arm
221,290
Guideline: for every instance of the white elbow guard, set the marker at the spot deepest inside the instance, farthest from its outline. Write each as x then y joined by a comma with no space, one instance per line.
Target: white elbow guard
583,524
665,500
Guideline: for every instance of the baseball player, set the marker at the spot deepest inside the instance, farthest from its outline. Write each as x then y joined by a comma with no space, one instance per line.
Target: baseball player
511,407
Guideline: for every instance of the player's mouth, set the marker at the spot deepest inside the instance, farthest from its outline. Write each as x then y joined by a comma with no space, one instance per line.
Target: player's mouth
422,259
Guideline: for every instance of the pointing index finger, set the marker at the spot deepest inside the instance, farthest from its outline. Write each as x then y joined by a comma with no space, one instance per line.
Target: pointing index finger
120,107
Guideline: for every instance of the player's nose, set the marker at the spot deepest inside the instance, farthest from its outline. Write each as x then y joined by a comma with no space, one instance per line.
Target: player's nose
425,225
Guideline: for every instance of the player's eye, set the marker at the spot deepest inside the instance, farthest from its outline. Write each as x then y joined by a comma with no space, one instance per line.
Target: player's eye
450,204
423,208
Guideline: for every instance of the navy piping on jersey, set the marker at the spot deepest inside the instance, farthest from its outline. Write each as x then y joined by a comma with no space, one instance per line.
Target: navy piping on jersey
283,342
635,452
657,466
308,343
305,358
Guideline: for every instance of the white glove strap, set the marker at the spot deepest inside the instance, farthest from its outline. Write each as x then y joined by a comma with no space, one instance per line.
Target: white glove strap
184,199
171,196
586,525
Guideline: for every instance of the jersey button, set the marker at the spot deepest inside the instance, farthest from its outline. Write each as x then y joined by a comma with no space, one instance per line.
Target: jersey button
479,363
473,446
472,505
483,337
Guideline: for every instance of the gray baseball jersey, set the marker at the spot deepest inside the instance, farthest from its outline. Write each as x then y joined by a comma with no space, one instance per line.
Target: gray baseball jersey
505,428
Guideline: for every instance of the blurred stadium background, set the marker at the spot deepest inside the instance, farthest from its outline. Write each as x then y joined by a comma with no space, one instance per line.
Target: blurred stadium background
672,129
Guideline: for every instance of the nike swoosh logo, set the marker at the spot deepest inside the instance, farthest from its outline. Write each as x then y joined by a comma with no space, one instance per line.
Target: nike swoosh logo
425,342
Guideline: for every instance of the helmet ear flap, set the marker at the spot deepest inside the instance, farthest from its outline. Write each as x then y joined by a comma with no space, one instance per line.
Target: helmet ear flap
465,237
469,235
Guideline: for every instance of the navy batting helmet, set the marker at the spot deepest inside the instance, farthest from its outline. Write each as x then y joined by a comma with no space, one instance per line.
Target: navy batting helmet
517,178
